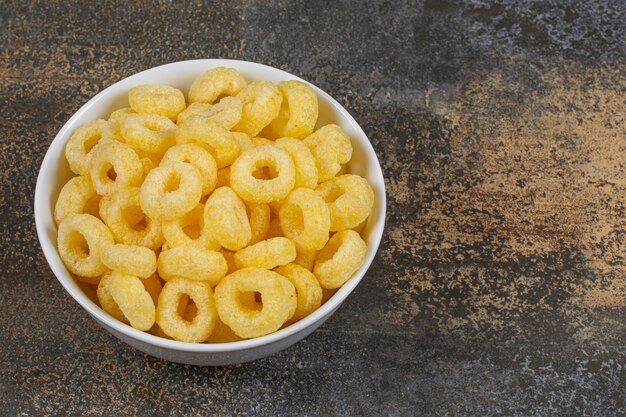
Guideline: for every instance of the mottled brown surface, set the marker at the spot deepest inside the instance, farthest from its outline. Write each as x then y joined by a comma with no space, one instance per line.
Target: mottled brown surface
500,286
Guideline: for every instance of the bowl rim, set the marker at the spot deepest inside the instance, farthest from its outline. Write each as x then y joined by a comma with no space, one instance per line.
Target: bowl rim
324,311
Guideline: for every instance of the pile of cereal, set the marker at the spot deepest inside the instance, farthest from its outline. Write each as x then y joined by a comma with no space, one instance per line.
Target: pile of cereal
218,221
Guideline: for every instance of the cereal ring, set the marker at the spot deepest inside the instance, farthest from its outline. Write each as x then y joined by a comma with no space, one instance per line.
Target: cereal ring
114,125
80,240
76,197
133,299
222,334
198,157
306,170
342,256
123,215
259,217
131,260
350,199
226,113
189,230
306,259
148,132
267,254
157,99
170,191
225,216
305,218
214,83
105,299
298,112
114,165
215,138
255,190
192,263
330,147
307,288
175,326
259,141
80,144
261,104
243,140
278,297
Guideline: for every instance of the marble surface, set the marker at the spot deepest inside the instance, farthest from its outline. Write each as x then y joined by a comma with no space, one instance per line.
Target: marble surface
500,286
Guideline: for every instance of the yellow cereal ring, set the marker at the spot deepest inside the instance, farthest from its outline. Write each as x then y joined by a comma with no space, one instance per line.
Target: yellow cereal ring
171,322
298,112
170,191
306,170
243,140
76,197
278,301
261,104
342,256
259,141
80,240
305,218
267,254
225,216
105,299
306,259
148,132
214,83
133,299
198,157
123,215
226,113
259,218
350,199
114,165
131,260
157,99
307,287
222,334
192,263
189,230
215,138
255,190
331,148
114,125
80,144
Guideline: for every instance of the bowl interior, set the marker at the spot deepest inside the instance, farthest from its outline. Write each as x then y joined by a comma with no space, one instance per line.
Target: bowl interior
55,172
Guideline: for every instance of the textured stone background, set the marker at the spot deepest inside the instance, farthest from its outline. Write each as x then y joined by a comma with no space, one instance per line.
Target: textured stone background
500,287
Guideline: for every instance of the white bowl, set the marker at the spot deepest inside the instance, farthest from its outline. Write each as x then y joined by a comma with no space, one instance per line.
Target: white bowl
55,172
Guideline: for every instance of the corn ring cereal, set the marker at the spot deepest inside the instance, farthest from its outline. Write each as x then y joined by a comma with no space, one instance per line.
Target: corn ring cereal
114,165
259,218
259,141
170,191
192,263
331,148
148,132
278,298
123,215
81,239
80,144
214,83
189,230
342,256
226,113
255,190
306,259
105,299
306,170
113,130
298,112
305,218
267,254
133,300
215,138
198,157
308,289
171,322
261,104
350,199
131,260
76,197
157,99
225,215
